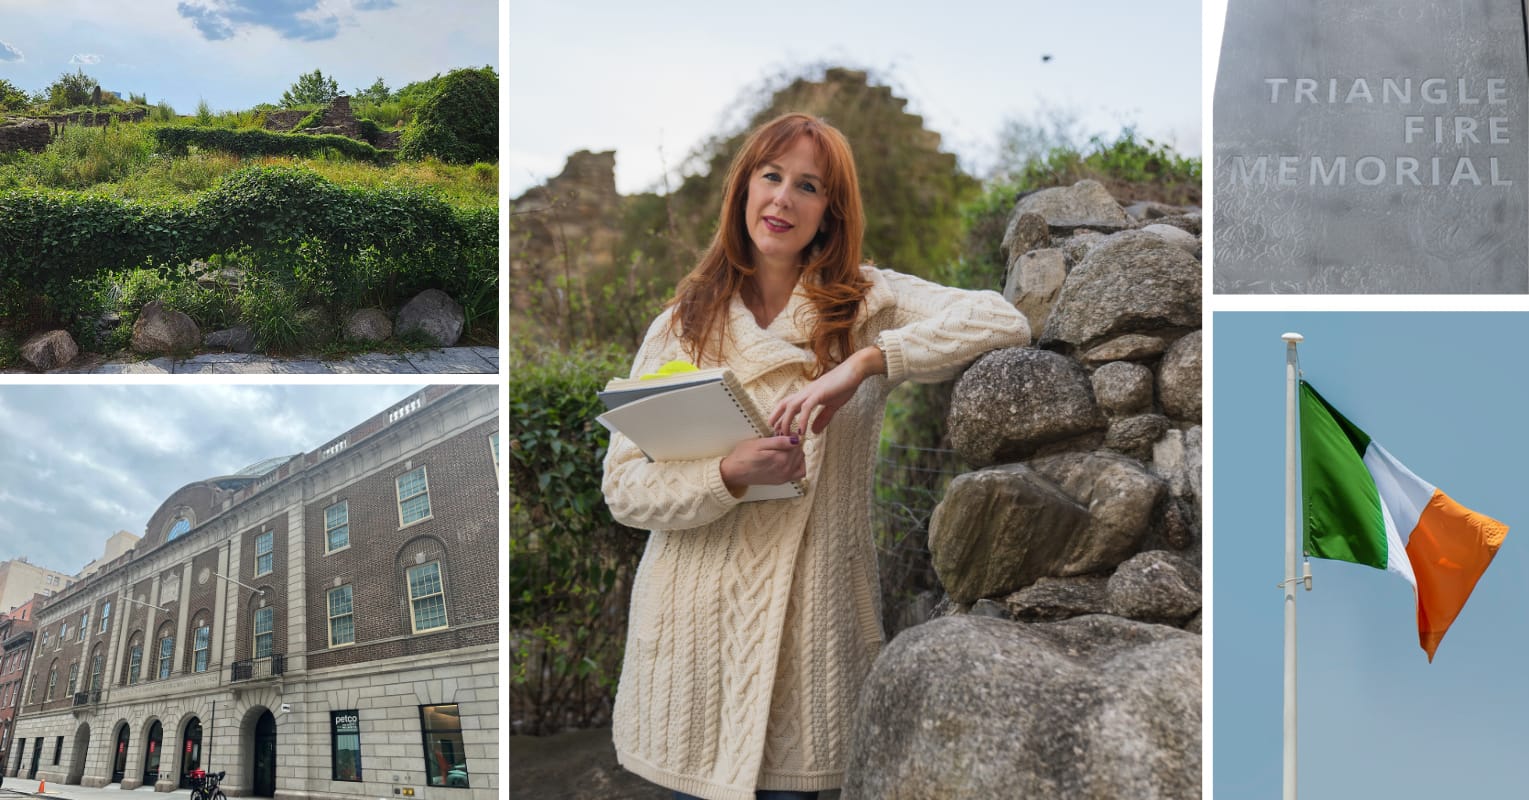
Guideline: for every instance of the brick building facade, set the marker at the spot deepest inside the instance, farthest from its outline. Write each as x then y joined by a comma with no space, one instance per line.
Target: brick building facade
15,659
319,625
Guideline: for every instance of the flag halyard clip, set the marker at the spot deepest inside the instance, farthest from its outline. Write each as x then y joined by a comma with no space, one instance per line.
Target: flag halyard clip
1305,576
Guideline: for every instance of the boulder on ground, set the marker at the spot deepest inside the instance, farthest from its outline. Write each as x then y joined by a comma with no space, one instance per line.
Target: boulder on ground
160,331
369,325
49,350
433,314
239,339
1091,707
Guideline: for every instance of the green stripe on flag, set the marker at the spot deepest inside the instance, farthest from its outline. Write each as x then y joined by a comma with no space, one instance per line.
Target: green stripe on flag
1342,507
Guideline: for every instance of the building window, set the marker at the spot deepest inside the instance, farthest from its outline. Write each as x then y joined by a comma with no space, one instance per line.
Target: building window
96,663
445,758
63,633
342,620
493,445
32,690
105,615
58,749
52,683
202,648
427,598
413,497
44,639
337,526
74,678
179,529
84,624
134,663
264,544
345,740
166,653
264,621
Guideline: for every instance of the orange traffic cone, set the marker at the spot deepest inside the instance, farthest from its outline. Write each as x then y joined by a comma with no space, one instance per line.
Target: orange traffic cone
42,786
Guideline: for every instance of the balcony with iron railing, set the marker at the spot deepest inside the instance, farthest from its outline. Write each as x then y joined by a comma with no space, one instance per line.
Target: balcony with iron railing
87,698
259,669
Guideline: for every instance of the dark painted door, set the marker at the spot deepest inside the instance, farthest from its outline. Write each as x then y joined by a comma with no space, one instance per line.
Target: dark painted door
151,755
191,751
119,764
36,757
265,756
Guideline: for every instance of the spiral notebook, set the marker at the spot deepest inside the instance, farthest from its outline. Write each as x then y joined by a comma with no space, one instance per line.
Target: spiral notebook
684,417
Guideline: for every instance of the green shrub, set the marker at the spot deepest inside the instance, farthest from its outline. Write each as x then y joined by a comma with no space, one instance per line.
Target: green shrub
459,124
570,563
369,130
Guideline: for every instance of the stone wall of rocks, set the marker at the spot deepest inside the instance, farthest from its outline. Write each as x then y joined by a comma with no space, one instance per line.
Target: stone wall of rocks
1069,635
27,134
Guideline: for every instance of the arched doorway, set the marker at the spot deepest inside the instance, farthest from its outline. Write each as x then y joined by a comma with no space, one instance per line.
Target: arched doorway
151,754
264,773
191,751
119,759
77,758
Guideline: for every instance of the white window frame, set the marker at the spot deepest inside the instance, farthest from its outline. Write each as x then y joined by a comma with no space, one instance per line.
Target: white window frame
105,616
74,679
52,683
164,666
345,504
270,553
271,634
134,662
329,606
440,580
201,649
398,492
493,446
63,635
84,625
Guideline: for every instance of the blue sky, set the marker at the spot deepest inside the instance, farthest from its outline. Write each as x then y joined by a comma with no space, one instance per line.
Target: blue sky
637,77
237,53
1446,394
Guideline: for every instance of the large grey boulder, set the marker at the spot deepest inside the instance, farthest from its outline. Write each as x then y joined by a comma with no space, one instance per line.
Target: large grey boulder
160,331
1176,236
1135,436
239,339
49,350
1155,586
968,707
1035,279
1012,402
1084,203
1133,282
1178,379
1051,599
434,314
368,325
1121,387
1000,529
1120,496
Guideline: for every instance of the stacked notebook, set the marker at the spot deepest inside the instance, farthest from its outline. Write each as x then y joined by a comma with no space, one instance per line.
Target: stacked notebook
688,416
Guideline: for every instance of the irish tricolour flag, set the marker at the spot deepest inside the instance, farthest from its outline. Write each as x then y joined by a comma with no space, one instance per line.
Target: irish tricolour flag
1362,505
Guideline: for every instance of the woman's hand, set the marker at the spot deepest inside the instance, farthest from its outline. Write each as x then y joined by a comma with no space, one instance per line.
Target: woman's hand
768,461
828,393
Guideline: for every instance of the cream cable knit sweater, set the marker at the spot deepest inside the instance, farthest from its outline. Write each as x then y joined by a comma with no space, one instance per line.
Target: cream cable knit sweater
753,625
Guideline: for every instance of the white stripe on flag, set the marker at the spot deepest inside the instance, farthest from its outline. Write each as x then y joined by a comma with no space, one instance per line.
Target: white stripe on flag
1403,496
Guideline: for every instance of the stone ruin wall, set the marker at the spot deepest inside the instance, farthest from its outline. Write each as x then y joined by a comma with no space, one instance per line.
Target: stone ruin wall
28,134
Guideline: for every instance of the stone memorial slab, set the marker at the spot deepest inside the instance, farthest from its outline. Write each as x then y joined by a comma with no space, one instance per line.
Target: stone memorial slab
1372,146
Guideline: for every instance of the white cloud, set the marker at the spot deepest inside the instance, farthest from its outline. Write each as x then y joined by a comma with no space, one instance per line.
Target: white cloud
9,52
85,58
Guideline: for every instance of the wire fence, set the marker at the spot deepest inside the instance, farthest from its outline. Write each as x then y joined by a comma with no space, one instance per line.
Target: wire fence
909,483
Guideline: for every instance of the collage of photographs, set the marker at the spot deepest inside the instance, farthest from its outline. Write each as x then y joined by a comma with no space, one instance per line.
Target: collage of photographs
903,402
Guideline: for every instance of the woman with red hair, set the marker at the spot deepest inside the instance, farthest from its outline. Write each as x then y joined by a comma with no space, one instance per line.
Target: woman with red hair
753,624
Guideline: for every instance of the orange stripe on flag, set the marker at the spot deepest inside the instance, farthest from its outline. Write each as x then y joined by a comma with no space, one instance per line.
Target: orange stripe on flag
1449,549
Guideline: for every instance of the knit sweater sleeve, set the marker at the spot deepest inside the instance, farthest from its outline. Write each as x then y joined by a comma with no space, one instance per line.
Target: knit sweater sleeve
668,495
937,330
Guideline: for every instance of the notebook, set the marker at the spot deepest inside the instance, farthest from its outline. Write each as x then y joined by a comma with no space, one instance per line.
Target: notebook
688,416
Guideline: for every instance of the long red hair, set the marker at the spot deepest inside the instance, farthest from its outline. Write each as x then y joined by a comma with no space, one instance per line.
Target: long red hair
831,276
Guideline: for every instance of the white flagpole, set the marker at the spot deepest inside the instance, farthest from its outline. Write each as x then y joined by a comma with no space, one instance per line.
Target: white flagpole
1292,518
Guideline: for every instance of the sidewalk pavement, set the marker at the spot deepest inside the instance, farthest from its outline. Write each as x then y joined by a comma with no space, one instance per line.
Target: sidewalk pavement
440,361
15,788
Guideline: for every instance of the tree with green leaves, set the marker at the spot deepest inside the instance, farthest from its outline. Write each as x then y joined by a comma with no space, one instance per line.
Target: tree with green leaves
12,98
378,92
312,87
459,124
71,89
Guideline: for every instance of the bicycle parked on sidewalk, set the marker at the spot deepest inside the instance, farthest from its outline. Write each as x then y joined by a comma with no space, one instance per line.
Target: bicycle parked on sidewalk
204,785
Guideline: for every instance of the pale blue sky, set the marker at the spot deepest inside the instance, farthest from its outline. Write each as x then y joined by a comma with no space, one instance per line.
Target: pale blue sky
1446,394
637,77
237,53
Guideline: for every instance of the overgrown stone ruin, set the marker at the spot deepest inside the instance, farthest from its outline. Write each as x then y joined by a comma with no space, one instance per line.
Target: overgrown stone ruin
1068,638
579,209
25,134
336,120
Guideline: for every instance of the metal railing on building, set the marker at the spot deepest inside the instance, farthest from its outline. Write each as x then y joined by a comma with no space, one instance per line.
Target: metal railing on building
87,698
256,669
